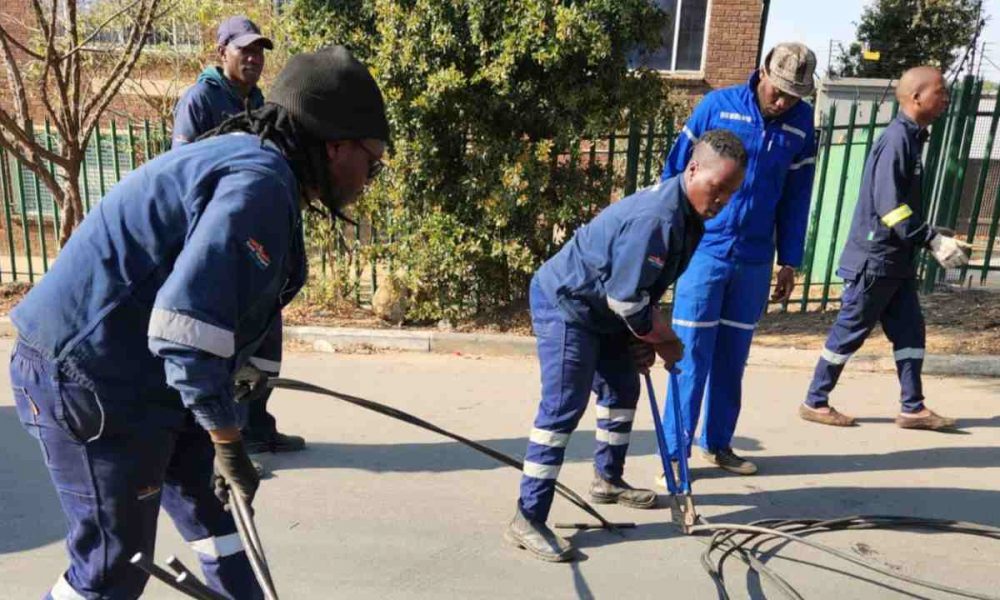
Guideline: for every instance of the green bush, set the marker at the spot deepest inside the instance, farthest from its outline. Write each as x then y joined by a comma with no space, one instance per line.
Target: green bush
489,102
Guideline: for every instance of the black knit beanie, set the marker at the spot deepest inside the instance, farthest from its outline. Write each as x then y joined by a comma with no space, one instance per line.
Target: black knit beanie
332,94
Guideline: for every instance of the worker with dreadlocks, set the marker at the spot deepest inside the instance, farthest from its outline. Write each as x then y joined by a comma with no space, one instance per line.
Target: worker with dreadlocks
127,349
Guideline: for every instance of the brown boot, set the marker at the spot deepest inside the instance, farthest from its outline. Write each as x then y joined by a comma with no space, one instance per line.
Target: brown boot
925,419
538,540
826,417
619,492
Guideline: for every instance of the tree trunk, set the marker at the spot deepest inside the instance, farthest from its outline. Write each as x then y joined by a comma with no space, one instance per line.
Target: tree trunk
70,205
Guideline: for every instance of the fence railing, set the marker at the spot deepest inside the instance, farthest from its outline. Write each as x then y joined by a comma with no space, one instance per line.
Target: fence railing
962,191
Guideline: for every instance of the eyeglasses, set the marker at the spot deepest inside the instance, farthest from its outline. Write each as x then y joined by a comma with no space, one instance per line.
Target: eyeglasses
375,165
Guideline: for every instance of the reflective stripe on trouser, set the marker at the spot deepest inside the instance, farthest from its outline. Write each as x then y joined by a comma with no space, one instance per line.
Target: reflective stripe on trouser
717,306
866,301
573,362
148,452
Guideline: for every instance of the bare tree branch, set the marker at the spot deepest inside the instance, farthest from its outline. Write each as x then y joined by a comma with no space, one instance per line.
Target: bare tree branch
78,47
137,41
14,76
21,46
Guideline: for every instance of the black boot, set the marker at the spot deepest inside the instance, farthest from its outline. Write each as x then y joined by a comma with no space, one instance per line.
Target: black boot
619,492
538,539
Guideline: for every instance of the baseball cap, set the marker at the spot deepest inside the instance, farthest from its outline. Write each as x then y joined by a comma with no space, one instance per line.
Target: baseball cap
241,32
790,66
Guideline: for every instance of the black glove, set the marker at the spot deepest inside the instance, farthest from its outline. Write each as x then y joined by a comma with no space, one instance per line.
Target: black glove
234,472
248,383
643,354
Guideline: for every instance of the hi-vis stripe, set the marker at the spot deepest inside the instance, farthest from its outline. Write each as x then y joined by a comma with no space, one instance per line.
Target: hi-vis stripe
832,357
794,130
62,590
802,163
897,215
691,136
549,438
684,323
738,325
218,547
613,438
908,353
532,469
618,415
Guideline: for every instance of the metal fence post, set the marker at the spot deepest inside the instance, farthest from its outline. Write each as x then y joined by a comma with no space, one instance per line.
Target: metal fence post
841,188
632,157
814,221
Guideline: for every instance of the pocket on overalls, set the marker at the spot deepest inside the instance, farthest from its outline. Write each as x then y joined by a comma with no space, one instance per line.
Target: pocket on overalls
27,410
79,411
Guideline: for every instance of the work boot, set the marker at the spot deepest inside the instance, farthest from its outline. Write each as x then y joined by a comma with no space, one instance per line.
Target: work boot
728,460
925,419
827,416
538,540
603,491
278,442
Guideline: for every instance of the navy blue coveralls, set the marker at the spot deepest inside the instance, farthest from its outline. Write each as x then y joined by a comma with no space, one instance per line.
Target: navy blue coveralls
878,266
722,296
128,346
206,104
587,302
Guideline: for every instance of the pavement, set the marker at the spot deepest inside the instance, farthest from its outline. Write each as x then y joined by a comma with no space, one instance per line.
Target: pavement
375,508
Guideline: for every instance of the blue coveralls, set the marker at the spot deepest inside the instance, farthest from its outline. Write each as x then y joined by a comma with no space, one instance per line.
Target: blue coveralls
722,296
587,301
878,266
206,104
128,346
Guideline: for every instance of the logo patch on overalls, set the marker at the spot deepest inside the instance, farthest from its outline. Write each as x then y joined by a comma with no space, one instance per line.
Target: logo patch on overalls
258,254
655,260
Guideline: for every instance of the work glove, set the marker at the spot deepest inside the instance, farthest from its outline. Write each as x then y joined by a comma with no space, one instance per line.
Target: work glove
950,252
643,354
234,472
248,383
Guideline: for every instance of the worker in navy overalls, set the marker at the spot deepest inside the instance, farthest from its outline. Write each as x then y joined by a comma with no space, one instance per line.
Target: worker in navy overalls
595,317
128,347
878,263
724,293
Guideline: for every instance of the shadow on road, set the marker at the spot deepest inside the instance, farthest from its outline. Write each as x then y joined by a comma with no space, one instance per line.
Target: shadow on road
29,509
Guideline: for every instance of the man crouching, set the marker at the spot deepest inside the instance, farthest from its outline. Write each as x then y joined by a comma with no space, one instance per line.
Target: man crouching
595,317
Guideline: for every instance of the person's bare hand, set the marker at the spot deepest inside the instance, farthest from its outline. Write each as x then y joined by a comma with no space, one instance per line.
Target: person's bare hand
784,285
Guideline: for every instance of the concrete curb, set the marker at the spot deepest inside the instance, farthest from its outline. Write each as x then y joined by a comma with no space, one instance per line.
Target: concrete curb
334,339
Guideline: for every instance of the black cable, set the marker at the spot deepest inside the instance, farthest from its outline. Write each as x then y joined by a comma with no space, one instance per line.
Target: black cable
771,529
562,490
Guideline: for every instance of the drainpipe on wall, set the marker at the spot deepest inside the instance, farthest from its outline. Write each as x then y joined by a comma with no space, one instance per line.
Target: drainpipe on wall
763,29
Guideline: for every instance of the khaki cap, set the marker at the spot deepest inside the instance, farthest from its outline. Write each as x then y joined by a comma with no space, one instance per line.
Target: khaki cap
790,67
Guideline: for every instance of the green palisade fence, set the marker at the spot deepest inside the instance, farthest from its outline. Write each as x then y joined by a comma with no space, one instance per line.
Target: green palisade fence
962,183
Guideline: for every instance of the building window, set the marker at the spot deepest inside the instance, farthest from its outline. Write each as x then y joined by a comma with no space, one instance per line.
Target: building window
683,38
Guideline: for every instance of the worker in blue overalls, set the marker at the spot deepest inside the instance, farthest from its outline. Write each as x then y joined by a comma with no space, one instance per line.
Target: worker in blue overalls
879,259
595,316
128,349
723,294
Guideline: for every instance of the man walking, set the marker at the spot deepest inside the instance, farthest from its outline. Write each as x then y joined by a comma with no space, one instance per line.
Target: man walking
879,260
723,294
595,316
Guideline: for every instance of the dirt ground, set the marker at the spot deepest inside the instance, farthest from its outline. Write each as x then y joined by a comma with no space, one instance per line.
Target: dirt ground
958,322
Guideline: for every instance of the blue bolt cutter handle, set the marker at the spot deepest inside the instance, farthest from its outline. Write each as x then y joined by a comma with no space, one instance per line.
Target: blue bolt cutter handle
684,514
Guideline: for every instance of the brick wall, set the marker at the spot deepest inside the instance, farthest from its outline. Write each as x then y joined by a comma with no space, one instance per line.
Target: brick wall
734,29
